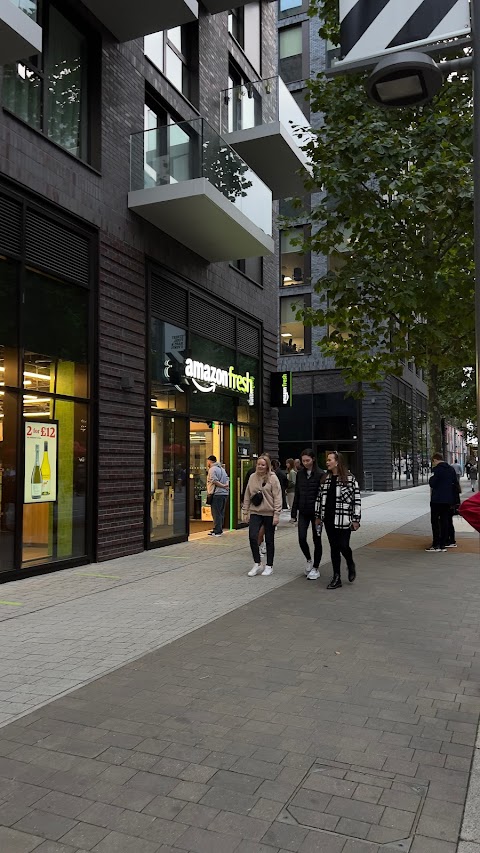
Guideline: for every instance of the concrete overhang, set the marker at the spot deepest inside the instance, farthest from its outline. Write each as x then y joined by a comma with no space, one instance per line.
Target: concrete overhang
200,217
20,36
129,20
271,151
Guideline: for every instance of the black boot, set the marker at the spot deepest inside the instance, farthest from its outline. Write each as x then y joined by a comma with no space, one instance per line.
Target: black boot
335,583
352,574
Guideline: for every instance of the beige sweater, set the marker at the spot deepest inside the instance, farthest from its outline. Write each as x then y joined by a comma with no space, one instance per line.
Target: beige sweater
272,496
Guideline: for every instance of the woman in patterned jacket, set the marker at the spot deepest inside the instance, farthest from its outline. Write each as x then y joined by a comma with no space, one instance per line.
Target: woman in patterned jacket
339,507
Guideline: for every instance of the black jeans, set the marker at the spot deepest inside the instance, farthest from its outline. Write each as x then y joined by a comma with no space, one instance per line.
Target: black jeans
304,522
339,539
256,522
451,527
218,512
440,518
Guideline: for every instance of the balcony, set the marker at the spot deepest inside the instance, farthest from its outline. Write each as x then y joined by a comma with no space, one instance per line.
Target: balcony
129,20
188,182
261,118
20,35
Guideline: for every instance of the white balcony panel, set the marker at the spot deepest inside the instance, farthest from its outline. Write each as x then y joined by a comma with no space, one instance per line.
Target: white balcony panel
200,217
130,19
271,151
20,36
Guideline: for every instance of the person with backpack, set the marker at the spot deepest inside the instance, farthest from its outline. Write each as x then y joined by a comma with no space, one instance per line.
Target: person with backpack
262,505
307,484
218,488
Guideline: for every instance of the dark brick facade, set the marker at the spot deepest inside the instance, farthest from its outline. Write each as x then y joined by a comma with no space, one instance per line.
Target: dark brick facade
126,242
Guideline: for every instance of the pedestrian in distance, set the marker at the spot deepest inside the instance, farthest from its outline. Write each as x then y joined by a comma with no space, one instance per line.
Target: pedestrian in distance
473,476
218,488
262,505
282,476
444,495
339,508
307,485
457,468
291,480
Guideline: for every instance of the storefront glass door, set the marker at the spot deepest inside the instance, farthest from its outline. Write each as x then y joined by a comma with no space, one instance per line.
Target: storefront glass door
205,440
168,488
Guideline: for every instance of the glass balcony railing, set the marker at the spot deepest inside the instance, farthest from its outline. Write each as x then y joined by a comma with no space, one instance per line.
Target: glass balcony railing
28,6
263,102
192,149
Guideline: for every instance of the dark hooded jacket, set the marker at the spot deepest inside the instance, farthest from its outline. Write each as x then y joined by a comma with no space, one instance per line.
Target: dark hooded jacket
306,491
444,485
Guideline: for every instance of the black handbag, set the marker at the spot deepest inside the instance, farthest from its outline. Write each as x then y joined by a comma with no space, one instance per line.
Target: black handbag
257,498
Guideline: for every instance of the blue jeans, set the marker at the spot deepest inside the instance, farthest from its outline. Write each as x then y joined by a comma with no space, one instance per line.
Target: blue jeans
218,512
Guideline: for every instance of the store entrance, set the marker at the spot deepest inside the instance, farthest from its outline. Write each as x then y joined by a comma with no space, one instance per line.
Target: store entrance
206,439
348,449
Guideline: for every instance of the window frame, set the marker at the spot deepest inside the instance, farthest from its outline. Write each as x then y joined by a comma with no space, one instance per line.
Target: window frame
304,53
301,9
90,77
307,330
307,259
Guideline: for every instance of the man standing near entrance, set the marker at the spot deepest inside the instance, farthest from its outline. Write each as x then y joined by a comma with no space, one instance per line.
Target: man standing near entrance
443,495
218,487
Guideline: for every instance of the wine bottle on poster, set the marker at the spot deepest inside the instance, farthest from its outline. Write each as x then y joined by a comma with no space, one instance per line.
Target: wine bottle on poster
36,481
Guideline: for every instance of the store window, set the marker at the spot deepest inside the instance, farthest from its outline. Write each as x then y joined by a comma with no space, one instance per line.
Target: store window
167,365
402,439
169,51
52,92
292,259
169,478
292,331
290,53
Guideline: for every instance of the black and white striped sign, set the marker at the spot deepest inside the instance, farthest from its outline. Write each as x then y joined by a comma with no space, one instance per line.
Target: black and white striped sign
371,28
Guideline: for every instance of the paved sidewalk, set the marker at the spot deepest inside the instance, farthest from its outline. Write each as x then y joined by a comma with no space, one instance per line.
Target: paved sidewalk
59,631
304,720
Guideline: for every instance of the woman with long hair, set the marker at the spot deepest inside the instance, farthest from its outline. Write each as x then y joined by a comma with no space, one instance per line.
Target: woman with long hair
262,505
306,490
339,508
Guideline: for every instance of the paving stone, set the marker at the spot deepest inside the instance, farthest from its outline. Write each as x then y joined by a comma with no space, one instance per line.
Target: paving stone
11,812
165,807
44,824
194,755
421,844
311,800
396,819
322,842
84,835
116,842
313,819
275,756
240,825
329,785
195,814
235,781
353,845
55,847
266,809
63,804
153,782
228,800
254,847
347,826
275,791
367,793
198,840
448,830
13,841
355,810
251,767
400,800
285,836
221,760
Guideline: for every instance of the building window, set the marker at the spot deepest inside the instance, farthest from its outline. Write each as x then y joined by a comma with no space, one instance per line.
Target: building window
292,331
52,92
290,53
292,259
169,51
236,24
251,267
290,7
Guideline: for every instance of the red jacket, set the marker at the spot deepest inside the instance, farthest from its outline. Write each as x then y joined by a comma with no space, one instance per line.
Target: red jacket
470,511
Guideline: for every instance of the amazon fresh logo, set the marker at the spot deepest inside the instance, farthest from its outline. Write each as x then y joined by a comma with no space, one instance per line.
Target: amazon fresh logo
207,377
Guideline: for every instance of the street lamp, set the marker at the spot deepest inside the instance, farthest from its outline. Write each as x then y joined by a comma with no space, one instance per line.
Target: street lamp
411,78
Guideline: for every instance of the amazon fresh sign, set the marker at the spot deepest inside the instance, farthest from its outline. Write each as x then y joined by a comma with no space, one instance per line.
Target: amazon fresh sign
208,377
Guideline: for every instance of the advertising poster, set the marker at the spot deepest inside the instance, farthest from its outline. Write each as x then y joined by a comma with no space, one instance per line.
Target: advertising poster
41,442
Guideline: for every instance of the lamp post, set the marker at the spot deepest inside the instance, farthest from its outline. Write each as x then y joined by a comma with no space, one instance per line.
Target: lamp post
412,77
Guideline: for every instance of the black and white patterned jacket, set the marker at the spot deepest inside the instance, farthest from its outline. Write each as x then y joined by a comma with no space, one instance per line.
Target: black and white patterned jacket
348,504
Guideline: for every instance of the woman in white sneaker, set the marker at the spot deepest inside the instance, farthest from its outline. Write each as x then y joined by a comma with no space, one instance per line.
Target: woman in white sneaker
262,505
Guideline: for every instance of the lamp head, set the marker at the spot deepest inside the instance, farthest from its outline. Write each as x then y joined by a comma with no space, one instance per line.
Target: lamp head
404,79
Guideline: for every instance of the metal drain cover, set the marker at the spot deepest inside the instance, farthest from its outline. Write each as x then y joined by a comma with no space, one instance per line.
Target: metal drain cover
370,806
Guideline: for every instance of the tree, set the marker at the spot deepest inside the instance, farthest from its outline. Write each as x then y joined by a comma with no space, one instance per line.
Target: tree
396,204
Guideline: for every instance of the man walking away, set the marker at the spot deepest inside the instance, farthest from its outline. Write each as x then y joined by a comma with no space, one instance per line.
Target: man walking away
443,495
473,475
218,487
457,468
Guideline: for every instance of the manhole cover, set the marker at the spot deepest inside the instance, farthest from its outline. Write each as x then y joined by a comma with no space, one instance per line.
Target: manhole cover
371,806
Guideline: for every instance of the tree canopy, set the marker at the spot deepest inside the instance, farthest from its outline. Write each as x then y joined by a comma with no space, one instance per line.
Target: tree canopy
393,212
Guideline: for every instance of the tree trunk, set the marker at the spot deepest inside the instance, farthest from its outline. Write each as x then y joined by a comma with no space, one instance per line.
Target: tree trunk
434,412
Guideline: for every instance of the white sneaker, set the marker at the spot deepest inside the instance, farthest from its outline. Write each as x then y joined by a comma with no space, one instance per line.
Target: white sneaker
268,570
313,575
255,570
308,567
